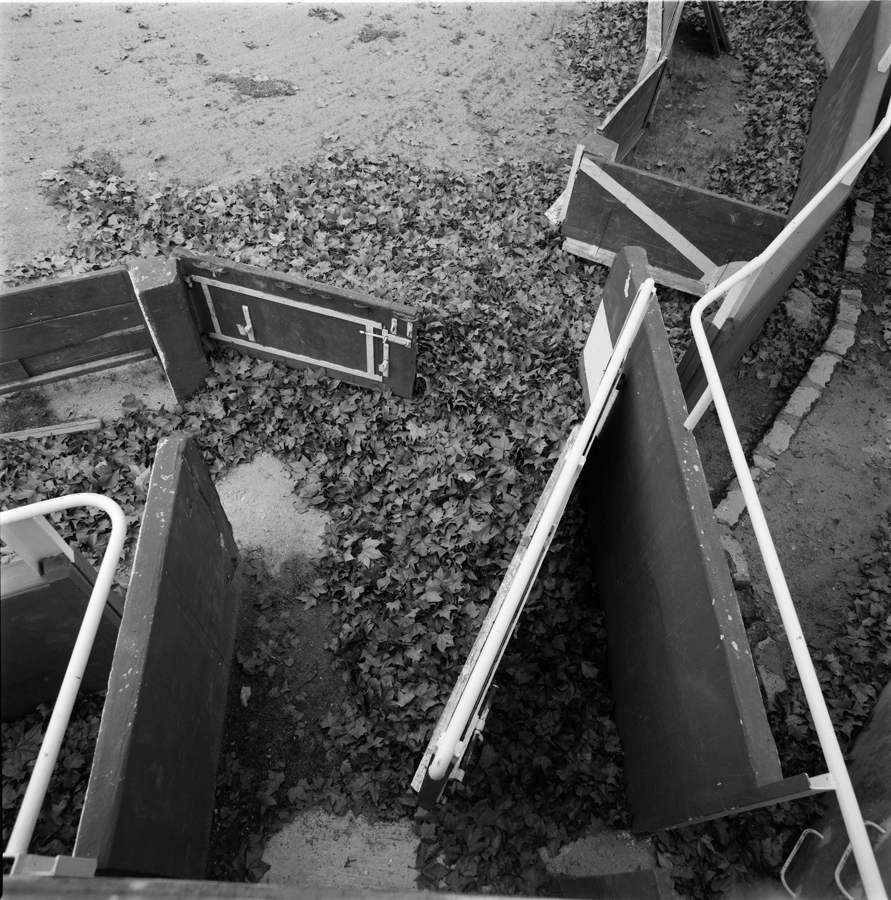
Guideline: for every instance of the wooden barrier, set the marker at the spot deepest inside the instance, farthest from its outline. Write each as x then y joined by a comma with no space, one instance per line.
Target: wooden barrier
688,706
66,327
41,611
149,802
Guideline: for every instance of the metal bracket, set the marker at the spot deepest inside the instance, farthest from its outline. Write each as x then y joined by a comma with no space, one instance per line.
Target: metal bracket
844,859
247,330
474,729
390,336
48,866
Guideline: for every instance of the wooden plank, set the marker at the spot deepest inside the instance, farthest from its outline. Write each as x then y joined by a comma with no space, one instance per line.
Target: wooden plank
29,888
66,331
428,789
12,371
41,616
688,705
646,884
49,430
76,371
671,18
161,295
111,345
625,124
845,112
289,332
149,802
723,230
653,51
51,299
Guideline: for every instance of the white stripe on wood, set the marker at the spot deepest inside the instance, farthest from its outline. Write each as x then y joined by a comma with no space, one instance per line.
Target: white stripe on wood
666,231
654,38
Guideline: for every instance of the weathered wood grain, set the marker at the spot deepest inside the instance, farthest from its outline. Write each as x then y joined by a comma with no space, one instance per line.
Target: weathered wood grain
149,802
107,346
626,123
76,371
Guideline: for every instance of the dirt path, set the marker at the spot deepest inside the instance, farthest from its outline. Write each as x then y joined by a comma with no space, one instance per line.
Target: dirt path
452,84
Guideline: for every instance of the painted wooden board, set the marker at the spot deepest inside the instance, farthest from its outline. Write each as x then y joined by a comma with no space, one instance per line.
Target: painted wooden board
688,705
54,298
430,790
842,120
688,233
24,381
717,33
646,884
48,430
41,613
627,122
168,315
107,346
149,802
352,336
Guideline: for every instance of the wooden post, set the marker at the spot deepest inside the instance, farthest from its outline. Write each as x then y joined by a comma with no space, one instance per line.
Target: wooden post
162,298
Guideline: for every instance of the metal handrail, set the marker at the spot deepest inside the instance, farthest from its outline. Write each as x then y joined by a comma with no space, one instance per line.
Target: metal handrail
450,745
847,800
25,822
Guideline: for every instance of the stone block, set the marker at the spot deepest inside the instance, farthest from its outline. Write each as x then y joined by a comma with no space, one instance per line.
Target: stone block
822,368
849,306
864,209
739,567
840,339
855,259
731,508
779,436
801,401
860,234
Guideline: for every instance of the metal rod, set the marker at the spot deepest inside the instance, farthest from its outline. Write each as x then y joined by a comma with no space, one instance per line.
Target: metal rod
449,741
792,226
847,800
29,812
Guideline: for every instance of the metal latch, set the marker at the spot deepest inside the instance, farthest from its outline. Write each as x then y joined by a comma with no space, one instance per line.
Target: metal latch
389,336
247,330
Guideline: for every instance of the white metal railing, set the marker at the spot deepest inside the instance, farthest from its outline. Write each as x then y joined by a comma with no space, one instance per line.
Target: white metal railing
450,746
847,800
23,830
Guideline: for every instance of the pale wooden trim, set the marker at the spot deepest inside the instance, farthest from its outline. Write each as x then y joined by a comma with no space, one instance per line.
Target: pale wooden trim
34,540
627,98
654,38
570,182
665,230
733,299
48,430
661,276
489,621
89,368
672,29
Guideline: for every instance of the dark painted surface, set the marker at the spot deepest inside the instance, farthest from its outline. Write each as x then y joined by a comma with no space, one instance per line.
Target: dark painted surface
150,798
628,122
647,884
688,705
38,628
308,333
724,230
161,295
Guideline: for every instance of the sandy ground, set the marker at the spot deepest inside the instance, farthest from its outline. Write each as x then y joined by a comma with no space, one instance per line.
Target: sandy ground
452,84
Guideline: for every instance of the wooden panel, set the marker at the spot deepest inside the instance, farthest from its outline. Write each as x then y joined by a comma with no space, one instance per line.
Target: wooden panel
626,123
327,335
41,617
67,331
52,299
688,705
722,230
161,295
99,348
149,802
12,371
845,112
647,884
111,362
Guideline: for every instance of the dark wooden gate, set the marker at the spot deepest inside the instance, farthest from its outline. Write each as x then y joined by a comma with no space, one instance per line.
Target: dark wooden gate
149,802
285,318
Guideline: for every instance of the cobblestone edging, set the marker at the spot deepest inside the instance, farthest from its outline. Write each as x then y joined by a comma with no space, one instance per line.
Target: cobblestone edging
806,395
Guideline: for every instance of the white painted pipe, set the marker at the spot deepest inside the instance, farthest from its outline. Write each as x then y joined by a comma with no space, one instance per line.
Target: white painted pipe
448,742
26,820
847,800
848,170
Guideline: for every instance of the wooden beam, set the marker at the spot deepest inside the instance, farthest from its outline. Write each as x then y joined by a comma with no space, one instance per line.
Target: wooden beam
49,430
76,371
107,346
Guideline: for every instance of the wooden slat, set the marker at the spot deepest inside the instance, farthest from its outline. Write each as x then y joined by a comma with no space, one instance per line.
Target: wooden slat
128,341
111,362
52,335
161,295
12,371
57,297
625,124
688,705
149,802
48,430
